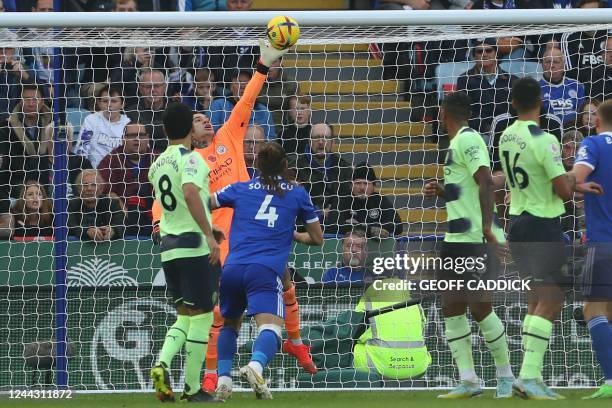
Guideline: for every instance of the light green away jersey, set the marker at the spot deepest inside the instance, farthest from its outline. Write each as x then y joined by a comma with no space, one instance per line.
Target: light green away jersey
466,154
175,167
531,159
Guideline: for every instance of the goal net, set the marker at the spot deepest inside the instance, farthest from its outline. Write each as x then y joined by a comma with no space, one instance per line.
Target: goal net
80,265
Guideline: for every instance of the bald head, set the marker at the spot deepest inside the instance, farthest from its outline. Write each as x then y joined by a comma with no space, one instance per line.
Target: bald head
553,64
253,139
321,140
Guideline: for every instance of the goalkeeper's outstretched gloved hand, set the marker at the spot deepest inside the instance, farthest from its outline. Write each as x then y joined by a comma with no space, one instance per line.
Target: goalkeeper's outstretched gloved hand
269,54
155,235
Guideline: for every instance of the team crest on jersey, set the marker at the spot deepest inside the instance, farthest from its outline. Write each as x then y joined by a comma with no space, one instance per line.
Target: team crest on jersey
221,149
374,213
191,166
572,93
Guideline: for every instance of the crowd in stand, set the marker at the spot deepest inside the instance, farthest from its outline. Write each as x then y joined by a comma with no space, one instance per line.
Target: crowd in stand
121,94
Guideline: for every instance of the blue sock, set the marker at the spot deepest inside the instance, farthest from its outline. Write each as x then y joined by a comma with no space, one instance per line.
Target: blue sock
227,347
601,335
265,347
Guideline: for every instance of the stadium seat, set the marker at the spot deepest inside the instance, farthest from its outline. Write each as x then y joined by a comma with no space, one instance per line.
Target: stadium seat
448,73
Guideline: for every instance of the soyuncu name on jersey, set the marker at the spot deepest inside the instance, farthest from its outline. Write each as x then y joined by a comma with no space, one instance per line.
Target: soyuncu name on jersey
258,186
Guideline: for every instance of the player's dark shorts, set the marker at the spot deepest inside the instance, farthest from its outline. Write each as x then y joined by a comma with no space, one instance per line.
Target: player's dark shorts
470,261
466,262
597,274
254,287
538,248
192,282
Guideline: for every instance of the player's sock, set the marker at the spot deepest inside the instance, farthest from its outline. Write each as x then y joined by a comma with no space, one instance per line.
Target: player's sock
459,336
265,347
175,338
526,324
292,316
494,332
536,337
256,365
195,348
228,347
211,352
601,335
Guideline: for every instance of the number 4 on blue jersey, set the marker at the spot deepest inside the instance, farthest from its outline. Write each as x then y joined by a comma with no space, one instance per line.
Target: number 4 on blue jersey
267,212
264,221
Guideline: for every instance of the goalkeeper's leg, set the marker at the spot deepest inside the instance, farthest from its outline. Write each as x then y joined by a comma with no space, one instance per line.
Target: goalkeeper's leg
293,345
209,381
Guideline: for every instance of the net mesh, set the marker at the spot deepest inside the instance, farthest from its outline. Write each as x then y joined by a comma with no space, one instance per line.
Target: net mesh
378,88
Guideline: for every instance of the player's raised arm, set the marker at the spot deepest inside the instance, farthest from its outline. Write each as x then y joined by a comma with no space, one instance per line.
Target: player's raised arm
241,114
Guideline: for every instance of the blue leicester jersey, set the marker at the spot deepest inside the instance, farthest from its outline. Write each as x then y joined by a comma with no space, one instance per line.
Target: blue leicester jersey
596,153
263,222
562,99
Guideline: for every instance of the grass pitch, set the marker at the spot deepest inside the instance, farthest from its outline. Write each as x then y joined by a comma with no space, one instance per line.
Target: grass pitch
335,399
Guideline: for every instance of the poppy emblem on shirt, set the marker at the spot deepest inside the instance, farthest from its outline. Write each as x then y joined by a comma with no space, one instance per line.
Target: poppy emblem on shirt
221,149
373,213
211,158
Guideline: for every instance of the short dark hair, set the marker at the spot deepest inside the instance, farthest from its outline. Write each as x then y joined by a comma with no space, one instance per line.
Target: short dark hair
177,119
604,112
526,95
31,87
457,105
241,71
114,90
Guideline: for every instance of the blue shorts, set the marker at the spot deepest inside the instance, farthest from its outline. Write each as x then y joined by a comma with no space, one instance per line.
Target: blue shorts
597,276
254,287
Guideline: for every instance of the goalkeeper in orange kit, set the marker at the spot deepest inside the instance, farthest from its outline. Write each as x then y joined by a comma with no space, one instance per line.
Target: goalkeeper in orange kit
223,152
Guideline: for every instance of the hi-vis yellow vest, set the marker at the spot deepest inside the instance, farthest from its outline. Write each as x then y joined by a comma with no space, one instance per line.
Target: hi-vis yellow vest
393,345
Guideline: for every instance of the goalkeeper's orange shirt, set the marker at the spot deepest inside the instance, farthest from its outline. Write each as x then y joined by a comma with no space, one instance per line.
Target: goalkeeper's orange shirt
225,157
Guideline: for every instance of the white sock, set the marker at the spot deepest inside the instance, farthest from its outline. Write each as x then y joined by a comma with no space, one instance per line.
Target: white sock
210,371
296,342
504,372
256,366
469,376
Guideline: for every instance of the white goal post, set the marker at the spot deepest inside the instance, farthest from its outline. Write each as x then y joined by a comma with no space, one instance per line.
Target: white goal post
105,302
